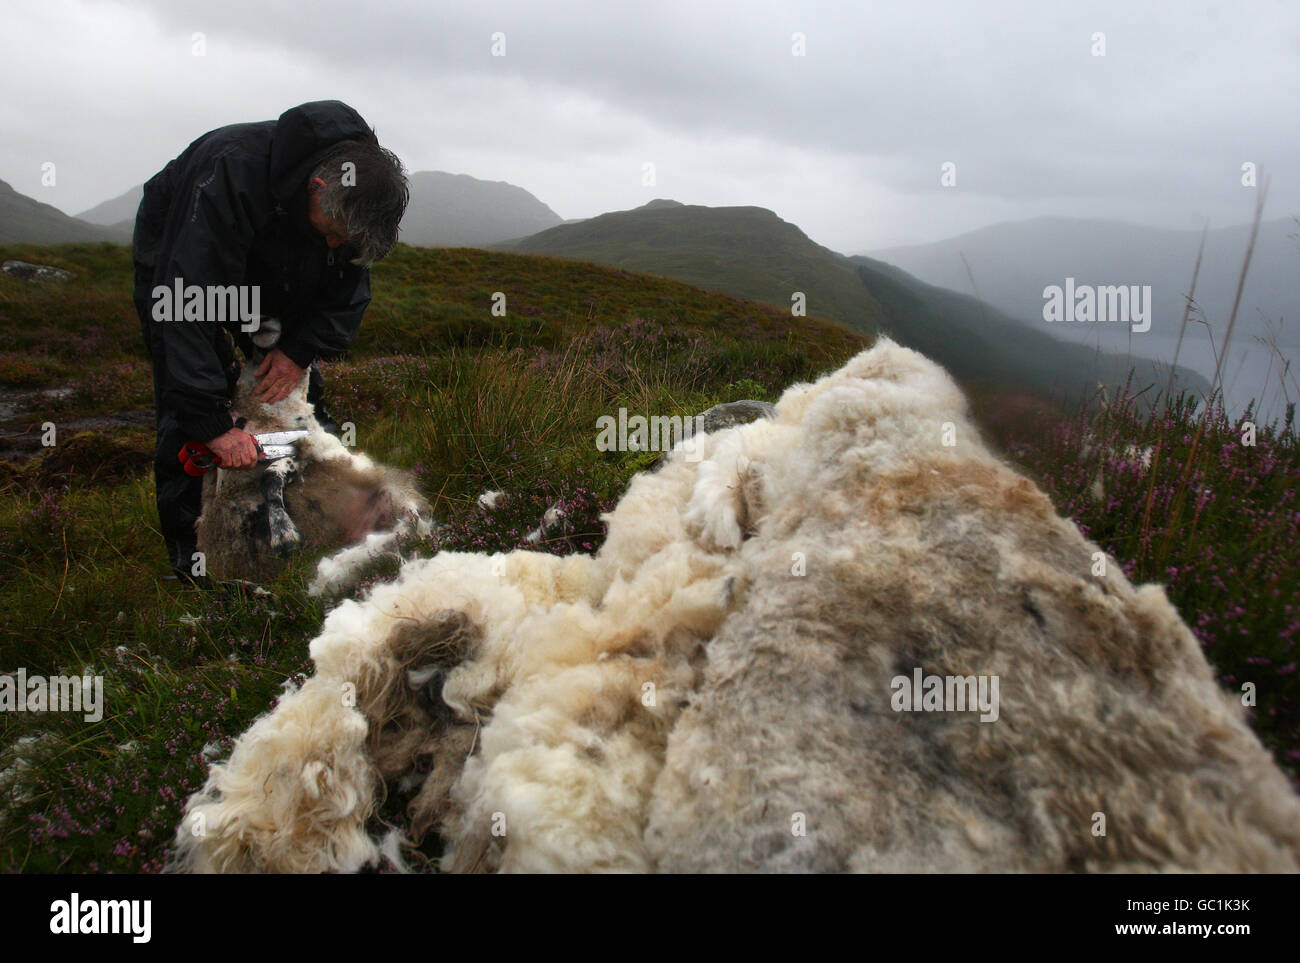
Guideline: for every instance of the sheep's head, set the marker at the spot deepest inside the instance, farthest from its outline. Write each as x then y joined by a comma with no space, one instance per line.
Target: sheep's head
292,411
267,335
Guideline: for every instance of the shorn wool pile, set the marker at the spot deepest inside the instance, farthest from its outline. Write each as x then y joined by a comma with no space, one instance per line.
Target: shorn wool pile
725,685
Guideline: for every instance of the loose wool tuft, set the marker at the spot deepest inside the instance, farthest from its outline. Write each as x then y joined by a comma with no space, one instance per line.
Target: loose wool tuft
716,689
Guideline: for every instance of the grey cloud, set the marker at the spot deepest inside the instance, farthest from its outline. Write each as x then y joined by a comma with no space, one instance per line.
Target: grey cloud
1155,131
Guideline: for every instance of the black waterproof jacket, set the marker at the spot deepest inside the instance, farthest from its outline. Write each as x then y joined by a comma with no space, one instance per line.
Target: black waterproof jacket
232,210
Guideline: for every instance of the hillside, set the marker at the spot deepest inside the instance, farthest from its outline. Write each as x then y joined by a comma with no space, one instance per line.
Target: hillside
446,210
118,211
467,402
981,345
1012,263
746,252
456,210
750,252
24,220
427,302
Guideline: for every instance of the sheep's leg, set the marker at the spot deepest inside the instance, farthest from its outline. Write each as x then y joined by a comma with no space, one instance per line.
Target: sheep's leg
284,538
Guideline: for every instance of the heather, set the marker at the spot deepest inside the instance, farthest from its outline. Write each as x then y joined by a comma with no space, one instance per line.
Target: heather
1188,497
470,401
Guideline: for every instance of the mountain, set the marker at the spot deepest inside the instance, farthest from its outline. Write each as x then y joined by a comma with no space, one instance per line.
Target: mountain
750,252
745,252
1013,262
24,220
119,212
456,210
446,210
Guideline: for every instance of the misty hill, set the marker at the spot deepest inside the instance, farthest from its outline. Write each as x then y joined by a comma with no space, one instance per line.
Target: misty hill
1013,262
446,210
456,210
750,252
116,212
745,252
24,220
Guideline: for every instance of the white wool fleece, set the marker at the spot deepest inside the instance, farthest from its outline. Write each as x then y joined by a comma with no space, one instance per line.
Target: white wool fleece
716,689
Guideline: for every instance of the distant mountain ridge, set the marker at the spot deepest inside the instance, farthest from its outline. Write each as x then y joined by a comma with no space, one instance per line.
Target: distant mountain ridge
1014,261
746,252
456,210
25,220
118,211
751,252
446,210
742,251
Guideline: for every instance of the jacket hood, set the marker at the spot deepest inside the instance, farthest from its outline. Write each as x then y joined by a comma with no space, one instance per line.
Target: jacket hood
304,132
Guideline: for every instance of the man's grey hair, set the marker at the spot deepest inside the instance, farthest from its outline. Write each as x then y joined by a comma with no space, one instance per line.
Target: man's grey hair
366,191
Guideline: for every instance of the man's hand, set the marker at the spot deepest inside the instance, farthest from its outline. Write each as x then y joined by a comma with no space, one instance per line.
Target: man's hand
235,448
278,376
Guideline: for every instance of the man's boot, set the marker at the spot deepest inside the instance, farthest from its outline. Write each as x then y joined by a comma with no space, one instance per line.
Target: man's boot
182,556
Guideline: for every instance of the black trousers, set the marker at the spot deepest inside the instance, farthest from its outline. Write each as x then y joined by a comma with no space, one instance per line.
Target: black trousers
179,496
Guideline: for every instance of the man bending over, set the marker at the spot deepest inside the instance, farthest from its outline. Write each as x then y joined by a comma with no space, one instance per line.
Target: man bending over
293,210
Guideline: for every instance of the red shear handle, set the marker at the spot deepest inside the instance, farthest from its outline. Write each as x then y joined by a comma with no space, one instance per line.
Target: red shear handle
197,458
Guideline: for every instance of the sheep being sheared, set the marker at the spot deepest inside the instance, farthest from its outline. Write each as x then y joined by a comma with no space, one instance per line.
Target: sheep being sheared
322,497
718,688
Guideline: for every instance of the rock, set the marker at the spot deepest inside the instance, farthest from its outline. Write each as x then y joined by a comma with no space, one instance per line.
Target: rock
734,413
36,272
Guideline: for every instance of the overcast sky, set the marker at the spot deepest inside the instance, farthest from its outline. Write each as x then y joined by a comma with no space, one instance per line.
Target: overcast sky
847,141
